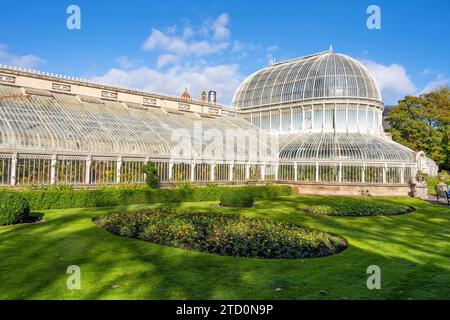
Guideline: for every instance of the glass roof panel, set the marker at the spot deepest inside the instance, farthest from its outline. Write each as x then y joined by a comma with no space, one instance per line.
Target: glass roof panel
324,75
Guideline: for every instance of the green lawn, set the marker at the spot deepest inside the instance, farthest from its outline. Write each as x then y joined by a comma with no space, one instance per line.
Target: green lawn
412,250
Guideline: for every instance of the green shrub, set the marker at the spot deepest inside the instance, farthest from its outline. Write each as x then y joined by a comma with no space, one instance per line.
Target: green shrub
151,175
346,206
118,196
223,234
241,199
14,208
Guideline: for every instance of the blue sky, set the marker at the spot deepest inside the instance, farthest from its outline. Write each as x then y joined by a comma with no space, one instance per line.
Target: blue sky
167,45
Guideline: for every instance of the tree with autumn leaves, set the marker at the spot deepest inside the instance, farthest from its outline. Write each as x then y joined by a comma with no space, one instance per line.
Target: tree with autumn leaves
423,124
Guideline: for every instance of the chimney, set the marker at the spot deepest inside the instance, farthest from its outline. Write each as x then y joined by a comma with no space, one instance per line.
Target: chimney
212,97
204,96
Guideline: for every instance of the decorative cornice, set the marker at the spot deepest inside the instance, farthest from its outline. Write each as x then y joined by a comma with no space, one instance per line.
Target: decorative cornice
110,95
18,71
149,101
61,87
7,79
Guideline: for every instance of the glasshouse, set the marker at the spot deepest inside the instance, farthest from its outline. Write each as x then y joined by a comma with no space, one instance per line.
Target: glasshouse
312,120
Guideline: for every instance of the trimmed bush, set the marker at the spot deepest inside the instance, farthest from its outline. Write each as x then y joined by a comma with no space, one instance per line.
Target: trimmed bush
223,234
14,208
346,206
118,196
151,175
241,199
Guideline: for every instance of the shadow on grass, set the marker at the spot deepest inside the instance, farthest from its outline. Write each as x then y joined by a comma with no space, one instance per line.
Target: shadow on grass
412,251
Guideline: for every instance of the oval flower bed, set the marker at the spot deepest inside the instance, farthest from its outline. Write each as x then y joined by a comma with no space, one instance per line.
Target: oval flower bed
343,206
223,234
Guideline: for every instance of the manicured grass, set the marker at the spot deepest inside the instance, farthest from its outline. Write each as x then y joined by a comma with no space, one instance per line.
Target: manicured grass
412,250
347,206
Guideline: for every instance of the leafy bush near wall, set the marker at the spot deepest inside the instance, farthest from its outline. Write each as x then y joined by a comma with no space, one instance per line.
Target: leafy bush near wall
234,199
14,208
223,234
151,175
117,196
346,206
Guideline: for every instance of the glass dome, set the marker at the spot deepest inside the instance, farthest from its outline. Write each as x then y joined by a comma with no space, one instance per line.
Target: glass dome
323,75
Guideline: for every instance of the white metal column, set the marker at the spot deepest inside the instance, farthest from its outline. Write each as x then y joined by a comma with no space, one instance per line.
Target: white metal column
213,174
88,169
146,161
317,171
295,172
119,169
281,121
340,173
13,177
292,120
170,170
193,171
53,169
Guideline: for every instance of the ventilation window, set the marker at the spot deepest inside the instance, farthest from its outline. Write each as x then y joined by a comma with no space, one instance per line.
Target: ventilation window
38,92
91,100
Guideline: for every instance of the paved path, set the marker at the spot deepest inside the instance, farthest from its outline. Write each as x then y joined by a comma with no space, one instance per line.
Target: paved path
432,199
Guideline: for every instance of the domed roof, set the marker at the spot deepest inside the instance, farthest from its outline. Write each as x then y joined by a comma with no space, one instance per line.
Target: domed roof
323,75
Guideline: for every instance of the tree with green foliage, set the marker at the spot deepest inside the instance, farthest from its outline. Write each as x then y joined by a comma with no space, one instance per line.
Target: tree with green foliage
423,124
151,175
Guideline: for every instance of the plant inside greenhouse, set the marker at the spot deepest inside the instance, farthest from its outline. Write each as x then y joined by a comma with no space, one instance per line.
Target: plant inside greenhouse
151,175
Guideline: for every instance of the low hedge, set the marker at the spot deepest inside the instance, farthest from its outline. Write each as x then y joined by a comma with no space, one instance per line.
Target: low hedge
346,206
118,196
234,199
223,234
14,208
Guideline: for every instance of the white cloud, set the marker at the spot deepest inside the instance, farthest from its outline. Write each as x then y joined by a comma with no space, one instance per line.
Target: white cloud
239,46
184,60
434,84
25,61
158,40
204,47
426,72
177,45
273,48
124,63
224,79
188,32
166,59
395,83
393,80
220,27
172,29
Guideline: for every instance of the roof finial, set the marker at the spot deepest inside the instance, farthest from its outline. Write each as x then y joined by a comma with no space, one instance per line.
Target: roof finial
331,49
186,95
